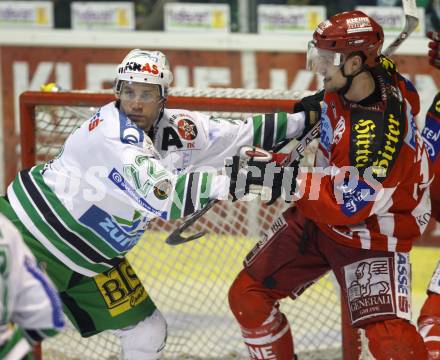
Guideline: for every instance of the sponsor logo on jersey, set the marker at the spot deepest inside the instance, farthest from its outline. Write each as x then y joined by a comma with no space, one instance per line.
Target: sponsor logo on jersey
390,147
116,178
354,199
163,189
431,137
363,139
411,134
423,219
403,284
279,224
326,137
129,132
376,139
339,131
120,234
369,288
187,129
121,288
95,121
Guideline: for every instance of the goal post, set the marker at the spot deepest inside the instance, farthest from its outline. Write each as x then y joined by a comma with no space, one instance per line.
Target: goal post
189,282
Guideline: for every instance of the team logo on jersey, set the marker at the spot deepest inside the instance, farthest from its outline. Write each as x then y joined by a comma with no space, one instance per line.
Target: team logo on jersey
163,189
187,129
369,288
121,288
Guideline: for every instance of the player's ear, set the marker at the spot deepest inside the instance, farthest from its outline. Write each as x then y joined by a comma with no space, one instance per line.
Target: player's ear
355,62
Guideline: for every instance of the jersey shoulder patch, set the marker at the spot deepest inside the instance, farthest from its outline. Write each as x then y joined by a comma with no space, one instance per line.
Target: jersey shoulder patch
183,129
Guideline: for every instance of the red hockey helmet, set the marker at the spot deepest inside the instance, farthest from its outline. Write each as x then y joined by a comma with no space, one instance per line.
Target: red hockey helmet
349,32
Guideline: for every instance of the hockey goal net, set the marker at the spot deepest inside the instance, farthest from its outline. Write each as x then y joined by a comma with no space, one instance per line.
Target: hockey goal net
189,282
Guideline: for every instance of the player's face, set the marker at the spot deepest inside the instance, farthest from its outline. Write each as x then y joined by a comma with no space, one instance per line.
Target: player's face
334,81
141,103
327,64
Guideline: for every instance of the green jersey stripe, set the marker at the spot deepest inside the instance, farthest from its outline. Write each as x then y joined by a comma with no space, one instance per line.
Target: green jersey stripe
54,222
68,220
281,119
49,234
179,190
257,122
205,188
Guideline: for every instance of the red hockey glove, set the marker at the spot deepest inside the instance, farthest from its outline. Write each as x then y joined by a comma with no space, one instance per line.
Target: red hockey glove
434,55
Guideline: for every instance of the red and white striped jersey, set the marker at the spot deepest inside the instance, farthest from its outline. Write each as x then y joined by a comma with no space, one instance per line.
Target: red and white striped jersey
387,206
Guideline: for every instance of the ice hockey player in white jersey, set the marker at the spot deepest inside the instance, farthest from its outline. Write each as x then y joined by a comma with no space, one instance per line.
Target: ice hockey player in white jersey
90,205
30,307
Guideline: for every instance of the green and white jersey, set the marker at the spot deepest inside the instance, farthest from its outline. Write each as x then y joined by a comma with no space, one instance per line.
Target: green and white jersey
27,298
91,204
190,140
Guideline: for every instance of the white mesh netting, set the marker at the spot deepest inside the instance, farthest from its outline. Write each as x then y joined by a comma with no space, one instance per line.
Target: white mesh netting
189,283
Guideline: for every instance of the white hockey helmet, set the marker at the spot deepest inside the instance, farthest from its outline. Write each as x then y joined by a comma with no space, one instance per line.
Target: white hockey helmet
143,66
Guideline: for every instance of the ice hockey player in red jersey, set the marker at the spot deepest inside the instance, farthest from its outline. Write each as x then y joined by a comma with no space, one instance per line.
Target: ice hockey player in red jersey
357,213
429,318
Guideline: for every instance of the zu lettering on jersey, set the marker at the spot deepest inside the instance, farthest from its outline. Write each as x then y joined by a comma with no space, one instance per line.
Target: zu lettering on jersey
278,225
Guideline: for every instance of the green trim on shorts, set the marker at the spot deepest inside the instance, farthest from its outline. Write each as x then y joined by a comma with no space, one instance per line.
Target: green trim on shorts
112,300
16,337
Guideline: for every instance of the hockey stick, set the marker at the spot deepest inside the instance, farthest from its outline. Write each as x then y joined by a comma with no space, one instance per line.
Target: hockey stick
176,237
295,150
411,22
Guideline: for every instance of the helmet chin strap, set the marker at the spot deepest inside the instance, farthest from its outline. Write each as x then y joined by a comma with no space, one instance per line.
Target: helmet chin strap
152,132
343,90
